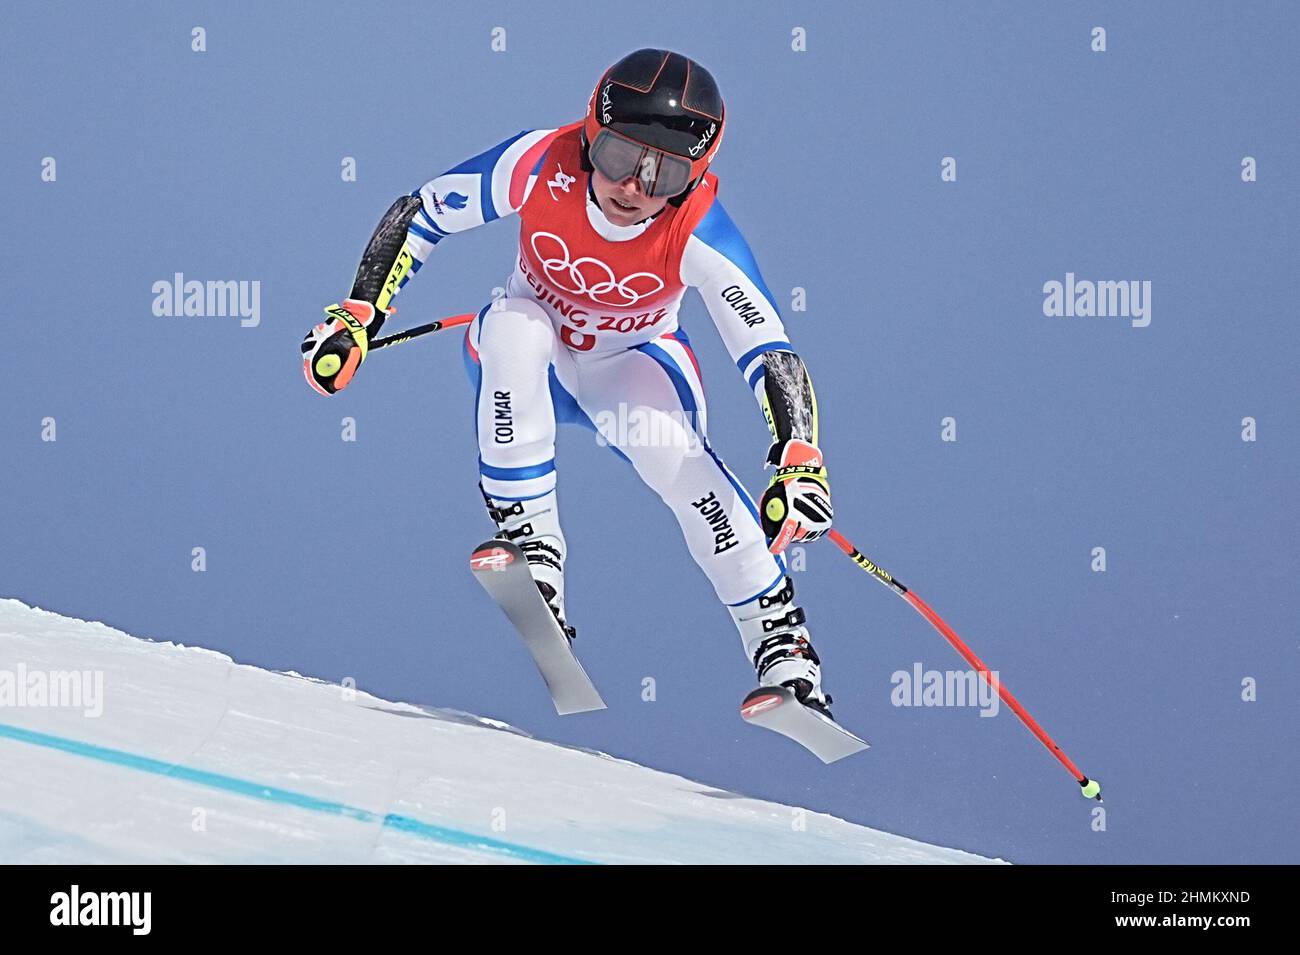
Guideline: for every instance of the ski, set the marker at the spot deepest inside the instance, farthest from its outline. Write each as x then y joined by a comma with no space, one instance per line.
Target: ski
502,569
777,708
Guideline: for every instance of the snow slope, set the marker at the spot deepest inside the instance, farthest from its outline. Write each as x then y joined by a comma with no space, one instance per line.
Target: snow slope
195,758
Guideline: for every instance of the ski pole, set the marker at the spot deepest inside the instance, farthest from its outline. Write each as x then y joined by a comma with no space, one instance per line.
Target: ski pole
398,338
1091,789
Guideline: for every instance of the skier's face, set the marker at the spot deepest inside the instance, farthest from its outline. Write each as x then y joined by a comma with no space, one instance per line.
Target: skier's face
624,203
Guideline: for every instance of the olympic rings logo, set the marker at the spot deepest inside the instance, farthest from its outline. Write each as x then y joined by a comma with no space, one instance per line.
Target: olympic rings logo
590,276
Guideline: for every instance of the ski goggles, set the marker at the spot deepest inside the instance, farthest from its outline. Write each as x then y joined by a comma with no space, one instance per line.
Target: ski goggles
661,174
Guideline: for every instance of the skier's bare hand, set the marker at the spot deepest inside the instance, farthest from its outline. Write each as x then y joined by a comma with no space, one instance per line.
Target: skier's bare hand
797,505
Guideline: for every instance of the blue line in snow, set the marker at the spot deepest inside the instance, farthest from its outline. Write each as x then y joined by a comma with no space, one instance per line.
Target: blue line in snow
287,797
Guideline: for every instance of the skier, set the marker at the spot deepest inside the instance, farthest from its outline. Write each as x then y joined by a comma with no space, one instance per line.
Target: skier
619,214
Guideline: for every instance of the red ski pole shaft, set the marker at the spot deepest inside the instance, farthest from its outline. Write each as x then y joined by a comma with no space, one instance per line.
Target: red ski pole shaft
398,338
1090,787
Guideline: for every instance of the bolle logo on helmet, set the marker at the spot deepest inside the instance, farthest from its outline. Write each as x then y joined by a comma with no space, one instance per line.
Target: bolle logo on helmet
590,276
704,140
606,106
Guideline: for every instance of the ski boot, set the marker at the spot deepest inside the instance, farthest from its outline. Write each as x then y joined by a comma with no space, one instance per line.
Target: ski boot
534,526
771,628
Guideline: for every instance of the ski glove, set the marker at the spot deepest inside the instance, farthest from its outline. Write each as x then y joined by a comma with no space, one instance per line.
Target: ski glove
334,350
797,504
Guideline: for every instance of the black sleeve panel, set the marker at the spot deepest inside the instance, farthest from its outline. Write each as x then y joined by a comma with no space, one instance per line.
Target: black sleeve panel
789,403
381,254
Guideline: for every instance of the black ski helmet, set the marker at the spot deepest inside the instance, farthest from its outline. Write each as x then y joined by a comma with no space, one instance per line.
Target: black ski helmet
658,115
